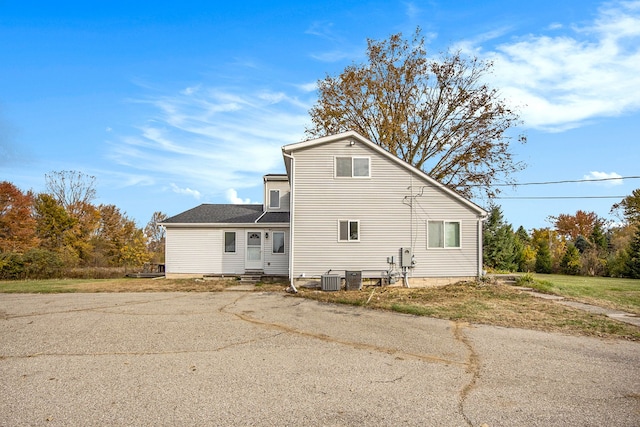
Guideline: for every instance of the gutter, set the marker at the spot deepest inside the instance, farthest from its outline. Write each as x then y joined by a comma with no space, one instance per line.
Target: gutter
292,211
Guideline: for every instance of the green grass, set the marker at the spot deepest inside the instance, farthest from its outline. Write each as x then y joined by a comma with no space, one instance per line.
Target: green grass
40,286
620,294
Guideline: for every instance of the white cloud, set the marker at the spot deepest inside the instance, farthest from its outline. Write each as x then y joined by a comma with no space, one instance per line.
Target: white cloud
605,178
232,197
563,81
187,191
331,56
213,139
307,87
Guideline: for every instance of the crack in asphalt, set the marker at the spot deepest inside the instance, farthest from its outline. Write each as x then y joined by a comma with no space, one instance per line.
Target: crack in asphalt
333,340
142,353
104,307
472,367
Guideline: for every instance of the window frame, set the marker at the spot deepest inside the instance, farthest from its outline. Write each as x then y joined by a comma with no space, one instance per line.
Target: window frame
349,231
270,199
273,240
235,242
443,236
353,159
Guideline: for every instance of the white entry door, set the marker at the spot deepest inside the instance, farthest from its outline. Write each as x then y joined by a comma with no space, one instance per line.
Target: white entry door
254,251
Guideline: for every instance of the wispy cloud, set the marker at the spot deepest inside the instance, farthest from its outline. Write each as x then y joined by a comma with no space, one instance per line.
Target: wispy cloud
322,29
187,191
563,81
307,87
331,56
604,178
212,138
412,10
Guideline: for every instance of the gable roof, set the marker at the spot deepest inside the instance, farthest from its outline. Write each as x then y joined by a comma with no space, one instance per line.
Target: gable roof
287,150
227,214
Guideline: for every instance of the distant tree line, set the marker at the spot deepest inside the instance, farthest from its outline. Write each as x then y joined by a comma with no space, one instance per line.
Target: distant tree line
577,244
62,233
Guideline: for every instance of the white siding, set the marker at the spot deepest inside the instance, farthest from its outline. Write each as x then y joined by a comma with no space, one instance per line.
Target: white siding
382,205
276,264
201,251
283,187
193,250
233,263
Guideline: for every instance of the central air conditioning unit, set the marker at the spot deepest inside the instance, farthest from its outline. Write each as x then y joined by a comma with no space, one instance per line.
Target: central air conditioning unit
330,282
353,280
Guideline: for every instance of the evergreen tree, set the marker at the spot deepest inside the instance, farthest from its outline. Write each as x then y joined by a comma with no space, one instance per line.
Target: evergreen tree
570,263
598,238
582,244
633,262
499,243
543,258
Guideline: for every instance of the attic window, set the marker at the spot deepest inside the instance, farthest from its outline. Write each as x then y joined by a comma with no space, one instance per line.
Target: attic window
274,199
352,167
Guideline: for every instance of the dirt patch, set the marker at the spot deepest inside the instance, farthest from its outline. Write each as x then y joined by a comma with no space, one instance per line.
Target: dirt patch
492,304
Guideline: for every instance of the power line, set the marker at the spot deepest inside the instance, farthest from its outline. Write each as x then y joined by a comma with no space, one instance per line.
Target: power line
558,182
559,197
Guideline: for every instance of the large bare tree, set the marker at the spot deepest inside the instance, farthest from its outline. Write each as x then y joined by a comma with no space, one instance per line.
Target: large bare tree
72,189
437,114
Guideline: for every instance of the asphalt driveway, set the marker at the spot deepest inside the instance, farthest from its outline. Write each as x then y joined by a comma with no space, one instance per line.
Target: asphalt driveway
236,358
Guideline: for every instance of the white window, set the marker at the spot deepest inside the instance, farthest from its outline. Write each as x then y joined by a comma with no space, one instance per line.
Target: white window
348,230
352,167
278,242
274,199
443,234
230,242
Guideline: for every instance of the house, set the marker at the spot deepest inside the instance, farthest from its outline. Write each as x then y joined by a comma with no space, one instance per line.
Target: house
344,204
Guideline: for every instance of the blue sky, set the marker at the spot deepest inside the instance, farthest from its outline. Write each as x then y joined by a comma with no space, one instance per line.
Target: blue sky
173,104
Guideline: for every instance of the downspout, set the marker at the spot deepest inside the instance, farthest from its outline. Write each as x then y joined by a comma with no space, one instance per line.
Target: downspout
292,203
480,269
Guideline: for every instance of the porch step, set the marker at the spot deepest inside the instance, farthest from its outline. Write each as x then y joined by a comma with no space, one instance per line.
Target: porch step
251,276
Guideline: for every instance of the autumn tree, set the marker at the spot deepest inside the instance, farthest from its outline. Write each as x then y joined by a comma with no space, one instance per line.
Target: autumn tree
436,114
570,262
17,226
155,235
630,207
555,245
118,241
72,189
525,252
53,222
75,192
572,226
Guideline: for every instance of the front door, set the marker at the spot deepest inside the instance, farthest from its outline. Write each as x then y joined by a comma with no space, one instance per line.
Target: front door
254,251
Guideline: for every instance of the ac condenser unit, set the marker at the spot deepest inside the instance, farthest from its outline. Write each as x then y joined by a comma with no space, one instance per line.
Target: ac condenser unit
330,282
353,280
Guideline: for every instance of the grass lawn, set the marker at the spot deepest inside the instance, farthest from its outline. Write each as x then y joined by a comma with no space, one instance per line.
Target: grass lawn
474,302
620,294
113,285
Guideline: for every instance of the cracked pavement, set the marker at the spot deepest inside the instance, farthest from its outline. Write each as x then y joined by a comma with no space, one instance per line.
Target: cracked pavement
269,359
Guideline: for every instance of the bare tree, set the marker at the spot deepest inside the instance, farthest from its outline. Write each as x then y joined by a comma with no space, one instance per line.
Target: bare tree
437,115
71,189
155,236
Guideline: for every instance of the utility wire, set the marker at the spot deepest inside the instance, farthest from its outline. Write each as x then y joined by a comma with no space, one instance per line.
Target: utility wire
557,182
559,197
